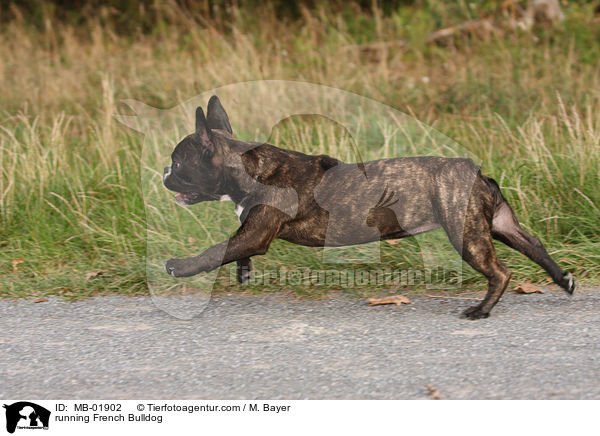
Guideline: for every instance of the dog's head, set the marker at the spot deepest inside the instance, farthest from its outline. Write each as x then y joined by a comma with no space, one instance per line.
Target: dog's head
197,171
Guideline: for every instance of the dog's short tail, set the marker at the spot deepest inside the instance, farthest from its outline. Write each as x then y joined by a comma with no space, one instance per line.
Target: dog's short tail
495,189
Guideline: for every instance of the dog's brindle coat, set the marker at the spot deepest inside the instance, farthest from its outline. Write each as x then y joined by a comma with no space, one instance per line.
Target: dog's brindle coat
415,195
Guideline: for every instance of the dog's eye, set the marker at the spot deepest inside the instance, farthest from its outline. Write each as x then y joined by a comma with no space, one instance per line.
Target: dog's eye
176,165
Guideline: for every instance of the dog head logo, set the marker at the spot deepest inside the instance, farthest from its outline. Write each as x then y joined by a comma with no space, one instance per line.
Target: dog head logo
26,415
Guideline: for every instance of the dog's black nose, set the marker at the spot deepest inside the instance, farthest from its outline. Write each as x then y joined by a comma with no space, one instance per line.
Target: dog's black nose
167,170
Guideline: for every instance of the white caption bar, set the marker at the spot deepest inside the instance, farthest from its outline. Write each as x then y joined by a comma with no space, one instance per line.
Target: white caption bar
181,417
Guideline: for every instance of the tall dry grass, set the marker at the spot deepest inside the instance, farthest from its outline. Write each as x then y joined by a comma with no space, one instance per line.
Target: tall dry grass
70,201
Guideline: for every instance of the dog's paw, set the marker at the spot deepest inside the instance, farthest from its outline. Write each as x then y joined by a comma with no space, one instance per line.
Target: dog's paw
474,312
568,284
181,267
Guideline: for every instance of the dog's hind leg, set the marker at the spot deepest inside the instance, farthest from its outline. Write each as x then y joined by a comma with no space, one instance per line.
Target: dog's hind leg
470,232
244,266
506,228
480,254
474,243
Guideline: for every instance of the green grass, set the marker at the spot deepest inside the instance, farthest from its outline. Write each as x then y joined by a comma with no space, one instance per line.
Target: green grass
71,202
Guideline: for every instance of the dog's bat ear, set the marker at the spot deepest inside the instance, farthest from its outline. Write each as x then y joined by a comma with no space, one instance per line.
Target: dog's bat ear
203,132
200,120
216,116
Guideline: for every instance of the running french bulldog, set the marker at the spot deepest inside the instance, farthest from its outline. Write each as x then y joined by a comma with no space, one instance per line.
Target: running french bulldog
320,201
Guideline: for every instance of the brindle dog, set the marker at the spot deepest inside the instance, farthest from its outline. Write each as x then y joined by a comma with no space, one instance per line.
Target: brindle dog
320,201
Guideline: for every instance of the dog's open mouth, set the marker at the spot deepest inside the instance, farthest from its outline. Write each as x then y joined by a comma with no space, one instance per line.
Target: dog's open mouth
187,198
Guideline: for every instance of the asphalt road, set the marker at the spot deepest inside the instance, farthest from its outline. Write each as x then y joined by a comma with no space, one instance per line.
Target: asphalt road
275,347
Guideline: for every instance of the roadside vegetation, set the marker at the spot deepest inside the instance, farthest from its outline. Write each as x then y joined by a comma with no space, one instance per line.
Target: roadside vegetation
526,103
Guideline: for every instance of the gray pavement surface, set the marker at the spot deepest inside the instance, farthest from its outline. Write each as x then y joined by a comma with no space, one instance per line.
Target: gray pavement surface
543,346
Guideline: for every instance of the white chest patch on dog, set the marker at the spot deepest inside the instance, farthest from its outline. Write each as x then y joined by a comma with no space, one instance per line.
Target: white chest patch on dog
238,211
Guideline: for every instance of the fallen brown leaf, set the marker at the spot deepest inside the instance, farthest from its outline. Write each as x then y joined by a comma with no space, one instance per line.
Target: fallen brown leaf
40,300
434,393
394,299
91,274
528,288
16,262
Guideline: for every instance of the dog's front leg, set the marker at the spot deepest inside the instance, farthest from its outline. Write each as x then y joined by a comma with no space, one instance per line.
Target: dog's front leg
252,238
190,266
